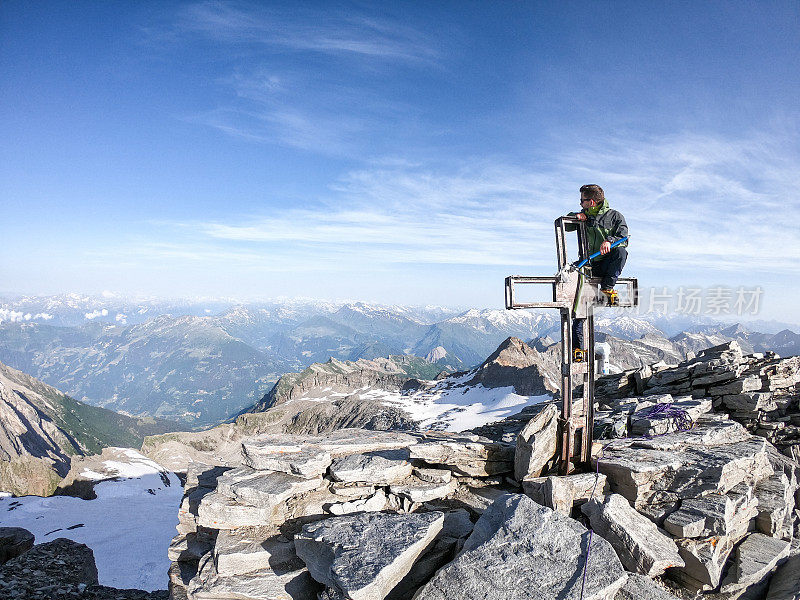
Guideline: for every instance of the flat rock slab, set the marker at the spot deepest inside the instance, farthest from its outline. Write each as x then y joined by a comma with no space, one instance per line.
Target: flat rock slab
303,461
422,491
639,587
13,542
264,489
288,581
644,423
465,454
709,430
245,550
647,476
641,546
382,467
338,443
753,561
521,550
364,556
217,511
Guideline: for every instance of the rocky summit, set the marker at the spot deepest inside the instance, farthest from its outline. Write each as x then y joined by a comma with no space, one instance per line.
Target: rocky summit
691,494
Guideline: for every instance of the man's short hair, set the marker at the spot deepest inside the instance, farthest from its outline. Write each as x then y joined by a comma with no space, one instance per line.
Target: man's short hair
593,191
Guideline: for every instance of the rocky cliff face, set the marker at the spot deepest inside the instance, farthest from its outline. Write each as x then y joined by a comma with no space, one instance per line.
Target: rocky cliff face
35,452
345,376
516,364
41,429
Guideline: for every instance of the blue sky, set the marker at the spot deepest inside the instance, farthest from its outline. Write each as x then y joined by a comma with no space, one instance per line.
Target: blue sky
410,152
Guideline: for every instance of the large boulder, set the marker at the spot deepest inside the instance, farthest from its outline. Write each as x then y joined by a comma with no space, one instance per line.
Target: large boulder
521,550
13,542
364,556
378,468
785,584
303,461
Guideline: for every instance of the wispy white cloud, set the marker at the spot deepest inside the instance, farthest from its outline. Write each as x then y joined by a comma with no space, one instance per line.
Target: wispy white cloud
702,201
304,29
695,204
330,105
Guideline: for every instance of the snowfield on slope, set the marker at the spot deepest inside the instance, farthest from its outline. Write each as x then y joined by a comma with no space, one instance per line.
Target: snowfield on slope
128,526
449,405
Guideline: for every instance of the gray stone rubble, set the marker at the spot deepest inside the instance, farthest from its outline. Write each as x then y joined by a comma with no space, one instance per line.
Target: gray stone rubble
361,514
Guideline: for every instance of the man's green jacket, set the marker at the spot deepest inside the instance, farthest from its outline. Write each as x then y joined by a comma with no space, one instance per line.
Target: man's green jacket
605,225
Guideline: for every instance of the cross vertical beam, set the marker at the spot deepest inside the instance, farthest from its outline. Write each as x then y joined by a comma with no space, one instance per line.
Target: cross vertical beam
574,299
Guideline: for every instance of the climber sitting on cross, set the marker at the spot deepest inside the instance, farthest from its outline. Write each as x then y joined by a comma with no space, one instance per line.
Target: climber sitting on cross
604,226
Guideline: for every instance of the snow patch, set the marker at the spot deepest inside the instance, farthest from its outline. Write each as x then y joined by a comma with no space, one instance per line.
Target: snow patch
128,526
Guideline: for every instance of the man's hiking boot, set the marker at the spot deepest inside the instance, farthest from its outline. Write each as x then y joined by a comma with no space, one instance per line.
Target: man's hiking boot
579,355
612,296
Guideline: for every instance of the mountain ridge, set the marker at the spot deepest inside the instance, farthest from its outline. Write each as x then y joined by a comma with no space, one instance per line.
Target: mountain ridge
42,429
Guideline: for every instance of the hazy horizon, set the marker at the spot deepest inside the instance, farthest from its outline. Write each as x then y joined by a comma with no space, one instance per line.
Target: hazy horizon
406,154
226,302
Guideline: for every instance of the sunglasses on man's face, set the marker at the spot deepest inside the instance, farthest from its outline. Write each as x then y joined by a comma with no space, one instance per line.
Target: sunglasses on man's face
585,200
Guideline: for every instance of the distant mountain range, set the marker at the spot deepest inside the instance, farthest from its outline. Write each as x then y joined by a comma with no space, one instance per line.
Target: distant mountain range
201,362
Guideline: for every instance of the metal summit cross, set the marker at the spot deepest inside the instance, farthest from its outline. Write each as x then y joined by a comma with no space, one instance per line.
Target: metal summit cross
575,295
